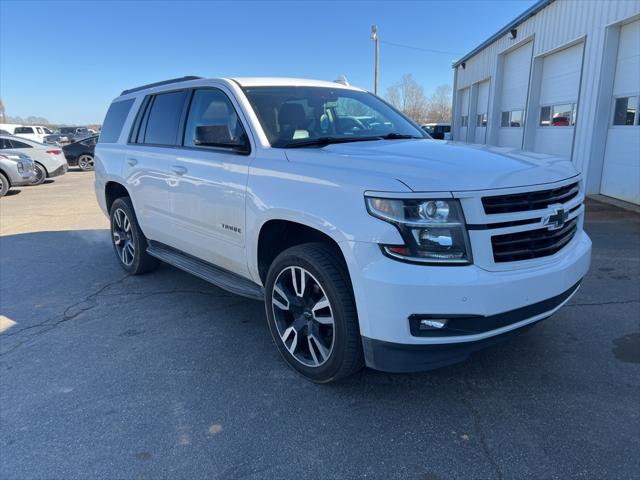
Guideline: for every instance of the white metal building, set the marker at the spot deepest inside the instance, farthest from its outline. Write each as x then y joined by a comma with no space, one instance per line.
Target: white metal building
563,78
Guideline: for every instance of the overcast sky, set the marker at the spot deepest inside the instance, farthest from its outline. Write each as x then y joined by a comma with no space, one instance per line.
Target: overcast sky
66,61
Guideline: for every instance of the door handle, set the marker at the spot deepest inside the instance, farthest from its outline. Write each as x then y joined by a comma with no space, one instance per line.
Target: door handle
179,170
132,161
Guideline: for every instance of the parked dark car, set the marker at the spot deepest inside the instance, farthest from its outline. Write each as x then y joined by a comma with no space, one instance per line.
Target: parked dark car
437,131
81,154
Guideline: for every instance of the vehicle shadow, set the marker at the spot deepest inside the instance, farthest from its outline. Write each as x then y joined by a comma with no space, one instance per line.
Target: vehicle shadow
174,369
12,191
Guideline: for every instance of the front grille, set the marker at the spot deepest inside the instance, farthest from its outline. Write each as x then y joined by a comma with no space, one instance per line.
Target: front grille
524,202
538,243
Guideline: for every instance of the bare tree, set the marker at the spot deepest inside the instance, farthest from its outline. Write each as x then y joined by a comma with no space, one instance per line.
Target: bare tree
440,105
408,97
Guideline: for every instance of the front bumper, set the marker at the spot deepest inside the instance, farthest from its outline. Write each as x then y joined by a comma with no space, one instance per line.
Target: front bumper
397,357
388,293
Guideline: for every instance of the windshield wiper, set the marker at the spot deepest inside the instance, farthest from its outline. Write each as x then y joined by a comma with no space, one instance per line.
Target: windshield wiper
324,141
397,136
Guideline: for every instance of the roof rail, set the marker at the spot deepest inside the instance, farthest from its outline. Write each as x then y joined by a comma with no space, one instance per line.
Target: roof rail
164,82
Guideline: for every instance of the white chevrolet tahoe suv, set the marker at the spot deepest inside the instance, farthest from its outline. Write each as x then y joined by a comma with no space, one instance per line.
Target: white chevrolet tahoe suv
369,243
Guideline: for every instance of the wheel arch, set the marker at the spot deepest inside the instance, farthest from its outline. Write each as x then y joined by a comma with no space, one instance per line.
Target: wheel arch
277,235
43,167
112,191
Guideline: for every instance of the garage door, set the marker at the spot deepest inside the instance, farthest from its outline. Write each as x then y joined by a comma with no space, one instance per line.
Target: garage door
621,170
482,107
464,114
559,89
515,88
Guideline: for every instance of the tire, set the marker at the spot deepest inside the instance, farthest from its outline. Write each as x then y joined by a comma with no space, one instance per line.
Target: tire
317,338
127,237
85,162
4,185
41,174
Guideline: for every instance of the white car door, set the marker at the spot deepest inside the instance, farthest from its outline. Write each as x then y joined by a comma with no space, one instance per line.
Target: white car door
150,152
208,181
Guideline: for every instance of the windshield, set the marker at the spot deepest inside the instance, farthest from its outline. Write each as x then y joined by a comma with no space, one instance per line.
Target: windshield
293,116
64,130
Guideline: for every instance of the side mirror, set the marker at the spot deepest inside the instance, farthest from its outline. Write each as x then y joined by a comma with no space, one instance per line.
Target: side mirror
220,136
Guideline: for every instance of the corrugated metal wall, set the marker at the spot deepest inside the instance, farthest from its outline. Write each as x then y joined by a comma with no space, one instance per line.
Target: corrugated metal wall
556,26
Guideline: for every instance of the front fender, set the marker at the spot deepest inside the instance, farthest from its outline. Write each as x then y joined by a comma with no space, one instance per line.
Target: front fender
331,202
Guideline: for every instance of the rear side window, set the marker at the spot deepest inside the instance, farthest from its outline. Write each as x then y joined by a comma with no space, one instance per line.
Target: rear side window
16,144
114,121
23,130
164,119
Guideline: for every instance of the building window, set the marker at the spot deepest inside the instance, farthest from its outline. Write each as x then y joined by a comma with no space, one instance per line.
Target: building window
514,118
562,115
504,121
481,120
625,110
464,121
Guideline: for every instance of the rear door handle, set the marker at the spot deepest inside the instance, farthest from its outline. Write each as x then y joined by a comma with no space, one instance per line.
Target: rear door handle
132,161
179,170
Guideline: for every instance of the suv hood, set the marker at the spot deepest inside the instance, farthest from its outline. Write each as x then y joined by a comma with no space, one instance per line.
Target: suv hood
430,165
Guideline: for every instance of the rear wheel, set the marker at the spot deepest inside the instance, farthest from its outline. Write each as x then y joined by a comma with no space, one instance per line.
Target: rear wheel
41,174
4,185
85,162
311,313
129,243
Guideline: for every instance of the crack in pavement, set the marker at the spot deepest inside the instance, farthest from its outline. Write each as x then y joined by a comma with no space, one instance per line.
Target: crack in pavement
66,316
49,324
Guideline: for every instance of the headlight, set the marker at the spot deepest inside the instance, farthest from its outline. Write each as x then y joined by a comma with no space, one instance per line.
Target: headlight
433,230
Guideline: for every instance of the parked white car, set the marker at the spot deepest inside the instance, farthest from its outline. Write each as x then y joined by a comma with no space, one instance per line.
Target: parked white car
16,169
368,242
49,161
32,132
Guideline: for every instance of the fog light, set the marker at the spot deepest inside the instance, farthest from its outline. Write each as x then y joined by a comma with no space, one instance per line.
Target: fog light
432,323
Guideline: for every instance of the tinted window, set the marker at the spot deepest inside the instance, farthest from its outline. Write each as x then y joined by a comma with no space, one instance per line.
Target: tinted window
212,121
114,121
4,143
625,110
545,116
504,119
164,118
23,130
16,144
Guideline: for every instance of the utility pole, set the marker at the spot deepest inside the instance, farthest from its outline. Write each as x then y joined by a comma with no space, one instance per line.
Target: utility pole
374,37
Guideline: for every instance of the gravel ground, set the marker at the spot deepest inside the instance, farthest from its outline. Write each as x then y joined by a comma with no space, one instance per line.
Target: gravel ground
165,376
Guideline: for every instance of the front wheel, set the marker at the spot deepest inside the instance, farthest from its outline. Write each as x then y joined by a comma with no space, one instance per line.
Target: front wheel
86,162
129,243
311,313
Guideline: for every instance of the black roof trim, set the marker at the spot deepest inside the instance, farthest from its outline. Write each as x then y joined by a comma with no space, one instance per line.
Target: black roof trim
158,84
526,15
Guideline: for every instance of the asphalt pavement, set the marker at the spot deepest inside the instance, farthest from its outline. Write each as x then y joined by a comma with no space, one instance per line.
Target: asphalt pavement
108,376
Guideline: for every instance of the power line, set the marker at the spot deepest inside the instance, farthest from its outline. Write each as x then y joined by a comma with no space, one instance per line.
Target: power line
419,48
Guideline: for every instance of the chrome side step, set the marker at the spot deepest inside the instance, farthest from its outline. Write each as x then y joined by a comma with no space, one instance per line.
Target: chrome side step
218,276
